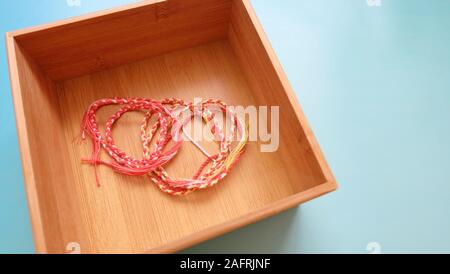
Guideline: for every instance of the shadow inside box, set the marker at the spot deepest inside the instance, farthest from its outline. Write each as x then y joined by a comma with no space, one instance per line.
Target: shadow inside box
266,237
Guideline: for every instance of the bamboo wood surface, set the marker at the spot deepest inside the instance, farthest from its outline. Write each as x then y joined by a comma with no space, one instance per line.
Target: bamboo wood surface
96,43
222,53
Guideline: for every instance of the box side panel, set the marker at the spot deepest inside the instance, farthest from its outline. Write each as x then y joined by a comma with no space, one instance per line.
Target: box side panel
265,75
81,47
247,219
44,155
22,132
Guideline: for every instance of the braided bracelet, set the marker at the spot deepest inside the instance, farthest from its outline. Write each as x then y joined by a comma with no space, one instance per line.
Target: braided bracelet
167,122
125,164
221,163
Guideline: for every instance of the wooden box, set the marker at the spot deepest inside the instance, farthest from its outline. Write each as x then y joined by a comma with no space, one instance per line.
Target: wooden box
154,49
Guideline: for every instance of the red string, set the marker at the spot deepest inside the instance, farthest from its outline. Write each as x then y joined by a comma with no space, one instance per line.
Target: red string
170,126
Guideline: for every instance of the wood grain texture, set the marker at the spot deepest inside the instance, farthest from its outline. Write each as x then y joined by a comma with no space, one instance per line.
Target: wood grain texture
133,209
37,118
96,43
269,81
222,54
24,143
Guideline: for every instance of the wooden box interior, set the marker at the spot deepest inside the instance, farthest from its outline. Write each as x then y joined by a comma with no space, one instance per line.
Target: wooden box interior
154,49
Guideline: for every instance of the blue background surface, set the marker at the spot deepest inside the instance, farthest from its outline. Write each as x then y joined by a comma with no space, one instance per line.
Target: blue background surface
374,83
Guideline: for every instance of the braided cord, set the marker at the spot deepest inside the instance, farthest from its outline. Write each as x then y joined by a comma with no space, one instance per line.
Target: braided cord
170,125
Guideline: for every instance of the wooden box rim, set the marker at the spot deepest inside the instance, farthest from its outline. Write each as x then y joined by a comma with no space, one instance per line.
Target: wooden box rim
195,238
